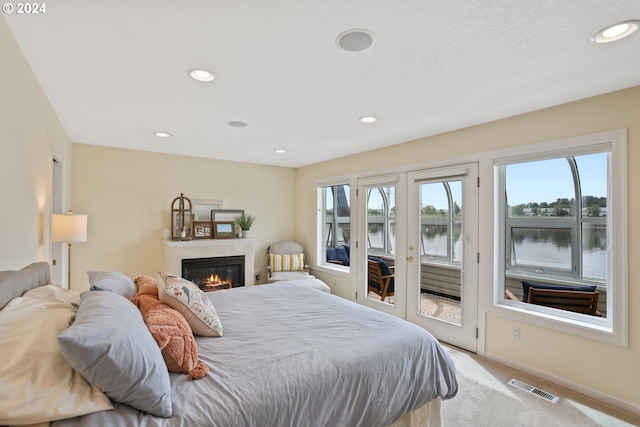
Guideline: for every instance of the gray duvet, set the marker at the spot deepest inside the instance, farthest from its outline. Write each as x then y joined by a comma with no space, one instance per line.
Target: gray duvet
294,356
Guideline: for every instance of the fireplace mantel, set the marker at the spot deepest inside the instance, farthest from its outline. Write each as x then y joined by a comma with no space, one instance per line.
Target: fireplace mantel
175,252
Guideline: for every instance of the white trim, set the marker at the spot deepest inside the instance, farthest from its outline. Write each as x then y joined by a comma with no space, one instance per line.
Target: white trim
579,388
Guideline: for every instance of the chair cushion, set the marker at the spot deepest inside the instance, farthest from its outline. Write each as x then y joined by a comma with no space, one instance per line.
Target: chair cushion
338,254
289,275
309,283
528,285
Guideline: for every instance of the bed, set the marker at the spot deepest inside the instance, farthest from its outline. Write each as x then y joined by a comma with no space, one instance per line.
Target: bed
289,356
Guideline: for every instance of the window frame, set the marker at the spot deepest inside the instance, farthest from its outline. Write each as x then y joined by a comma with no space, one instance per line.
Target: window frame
614,328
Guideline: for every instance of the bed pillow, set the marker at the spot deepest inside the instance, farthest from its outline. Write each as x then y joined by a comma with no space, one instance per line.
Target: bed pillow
111,281
186,297
111,347
528,285
33,366
286,262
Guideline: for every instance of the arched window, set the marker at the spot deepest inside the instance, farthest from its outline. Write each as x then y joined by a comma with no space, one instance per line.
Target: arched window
556,232
381,221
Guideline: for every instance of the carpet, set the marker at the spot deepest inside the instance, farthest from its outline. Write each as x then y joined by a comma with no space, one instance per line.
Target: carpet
485,399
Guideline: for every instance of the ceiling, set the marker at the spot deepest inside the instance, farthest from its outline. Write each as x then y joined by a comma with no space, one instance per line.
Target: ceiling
117,71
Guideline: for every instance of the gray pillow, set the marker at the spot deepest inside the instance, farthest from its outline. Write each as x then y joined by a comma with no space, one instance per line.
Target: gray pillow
111,347
112,281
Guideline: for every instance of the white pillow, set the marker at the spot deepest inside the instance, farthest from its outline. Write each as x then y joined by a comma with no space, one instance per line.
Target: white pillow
110,345
32,364
187,298
112,281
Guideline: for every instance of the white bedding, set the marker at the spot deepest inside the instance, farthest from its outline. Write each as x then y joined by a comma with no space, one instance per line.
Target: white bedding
293,356
37,384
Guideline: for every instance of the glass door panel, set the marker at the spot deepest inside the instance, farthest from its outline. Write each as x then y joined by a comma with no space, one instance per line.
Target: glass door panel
381,206
441,249
442,242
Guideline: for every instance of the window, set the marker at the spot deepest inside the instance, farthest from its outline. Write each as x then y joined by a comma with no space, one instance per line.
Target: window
381,221
561,217
557,227
441,222
336,217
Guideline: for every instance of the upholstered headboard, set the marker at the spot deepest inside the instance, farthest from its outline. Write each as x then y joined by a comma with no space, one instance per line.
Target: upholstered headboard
15,283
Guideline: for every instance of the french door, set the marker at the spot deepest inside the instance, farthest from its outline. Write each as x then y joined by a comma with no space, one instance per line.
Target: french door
442,279
382,210
424,224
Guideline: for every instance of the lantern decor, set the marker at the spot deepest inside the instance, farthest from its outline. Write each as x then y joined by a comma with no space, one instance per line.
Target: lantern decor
181,218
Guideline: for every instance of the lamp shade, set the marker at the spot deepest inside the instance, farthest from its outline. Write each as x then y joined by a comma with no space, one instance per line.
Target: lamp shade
69,228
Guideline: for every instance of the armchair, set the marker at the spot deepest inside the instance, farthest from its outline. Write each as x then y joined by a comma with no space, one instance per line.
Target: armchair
579,299
285,261
381,277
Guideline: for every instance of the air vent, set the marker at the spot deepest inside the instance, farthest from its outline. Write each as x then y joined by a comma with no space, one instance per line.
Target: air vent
533,390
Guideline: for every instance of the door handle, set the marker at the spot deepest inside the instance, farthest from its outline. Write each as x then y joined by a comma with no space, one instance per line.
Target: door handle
410,258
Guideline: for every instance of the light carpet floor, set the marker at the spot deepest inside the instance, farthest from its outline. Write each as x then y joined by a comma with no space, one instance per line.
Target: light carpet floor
485,399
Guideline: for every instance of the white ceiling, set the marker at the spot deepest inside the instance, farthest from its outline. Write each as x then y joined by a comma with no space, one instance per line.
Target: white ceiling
116,71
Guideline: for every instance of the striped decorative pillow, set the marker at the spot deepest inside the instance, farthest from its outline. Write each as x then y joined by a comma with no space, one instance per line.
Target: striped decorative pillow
286,262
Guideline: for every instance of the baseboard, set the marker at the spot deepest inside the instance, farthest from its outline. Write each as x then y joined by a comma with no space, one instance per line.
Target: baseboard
578,388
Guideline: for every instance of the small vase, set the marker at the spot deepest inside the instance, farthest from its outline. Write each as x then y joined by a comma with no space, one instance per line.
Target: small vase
246,234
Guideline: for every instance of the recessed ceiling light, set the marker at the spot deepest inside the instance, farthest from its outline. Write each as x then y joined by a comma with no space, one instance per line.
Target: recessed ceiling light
201,75
355,40
368,119
280,151
616,32
237,124
162,134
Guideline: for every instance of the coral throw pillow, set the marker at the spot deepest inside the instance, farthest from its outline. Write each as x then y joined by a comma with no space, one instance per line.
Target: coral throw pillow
192,303
169,329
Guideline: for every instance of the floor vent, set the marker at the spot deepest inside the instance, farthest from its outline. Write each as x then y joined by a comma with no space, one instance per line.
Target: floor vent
533,390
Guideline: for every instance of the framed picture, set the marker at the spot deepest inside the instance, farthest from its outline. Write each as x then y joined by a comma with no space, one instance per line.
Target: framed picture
227,215
202,208
224,230
219,215
202,230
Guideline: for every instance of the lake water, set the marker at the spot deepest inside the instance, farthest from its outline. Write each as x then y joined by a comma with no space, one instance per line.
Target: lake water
548,249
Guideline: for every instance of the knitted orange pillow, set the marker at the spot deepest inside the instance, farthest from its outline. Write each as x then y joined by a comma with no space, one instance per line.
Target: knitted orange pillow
169,329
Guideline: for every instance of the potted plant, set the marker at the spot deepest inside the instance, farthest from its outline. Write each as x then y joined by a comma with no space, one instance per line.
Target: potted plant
245,221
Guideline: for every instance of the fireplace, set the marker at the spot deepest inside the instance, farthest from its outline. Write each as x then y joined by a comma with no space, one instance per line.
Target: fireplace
176,251
215,273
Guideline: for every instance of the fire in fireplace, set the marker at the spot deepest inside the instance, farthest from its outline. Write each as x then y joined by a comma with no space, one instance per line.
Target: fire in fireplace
215,273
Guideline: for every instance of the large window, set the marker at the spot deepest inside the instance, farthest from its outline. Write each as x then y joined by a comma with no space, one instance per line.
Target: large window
556,224
562,216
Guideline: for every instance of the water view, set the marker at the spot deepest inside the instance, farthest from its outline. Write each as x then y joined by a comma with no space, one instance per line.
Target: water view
537,248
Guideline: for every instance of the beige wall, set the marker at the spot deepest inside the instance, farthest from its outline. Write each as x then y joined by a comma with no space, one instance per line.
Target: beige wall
127,195
30,132
607,369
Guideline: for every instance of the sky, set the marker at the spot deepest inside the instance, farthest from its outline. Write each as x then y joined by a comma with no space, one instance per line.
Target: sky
549,180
